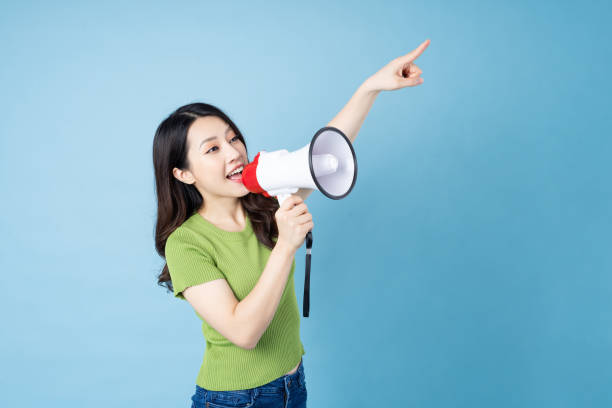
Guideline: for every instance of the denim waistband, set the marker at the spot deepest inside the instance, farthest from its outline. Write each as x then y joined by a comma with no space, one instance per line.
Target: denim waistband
277,386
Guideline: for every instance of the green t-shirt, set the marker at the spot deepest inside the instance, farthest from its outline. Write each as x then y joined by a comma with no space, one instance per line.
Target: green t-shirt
198,252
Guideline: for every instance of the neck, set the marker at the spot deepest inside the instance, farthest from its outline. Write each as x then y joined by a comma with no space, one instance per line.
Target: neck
223,210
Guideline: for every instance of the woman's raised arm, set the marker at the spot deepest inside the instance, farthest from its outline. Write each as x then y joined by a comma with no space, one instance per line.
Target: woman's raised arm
397,74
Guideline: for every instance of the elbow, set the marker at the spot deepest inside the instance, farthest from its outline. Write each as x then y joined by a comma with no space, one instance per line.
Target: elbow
247,341
244,346
248,334
250,344
247,346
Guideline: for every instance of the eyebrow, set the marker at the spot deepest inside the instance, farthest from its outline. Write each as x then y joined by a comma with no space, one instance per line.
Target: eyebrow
213,137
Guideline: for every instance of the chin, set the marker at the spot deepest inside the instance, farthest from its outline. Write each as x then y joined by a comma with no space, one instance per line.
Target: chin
244,193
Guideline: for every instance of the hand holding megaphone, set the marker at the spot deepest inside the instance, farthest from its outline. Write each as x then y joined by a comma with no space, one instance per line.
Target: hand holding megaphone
293,221
327,164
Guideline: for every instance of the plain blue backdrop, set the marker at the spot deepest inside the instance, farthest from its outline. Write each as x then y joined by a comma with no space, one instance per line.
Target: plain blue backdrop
469,267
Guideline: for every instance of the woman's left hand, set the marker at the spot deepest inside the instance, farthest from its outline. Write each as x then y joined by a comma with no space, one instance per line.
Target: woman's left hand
399,73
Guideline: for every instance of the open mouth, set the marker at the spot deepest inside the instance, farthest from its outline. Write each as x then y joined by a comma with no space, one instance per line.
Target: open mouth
236,175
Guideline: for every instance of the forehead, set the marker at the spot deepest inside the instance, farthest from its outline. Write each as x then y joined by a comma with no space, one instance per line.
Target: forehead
204,128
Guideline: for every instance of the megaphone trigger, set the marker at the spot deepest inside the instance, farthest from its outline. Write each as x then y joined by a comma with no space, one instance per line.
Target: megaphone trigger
282,195
281,198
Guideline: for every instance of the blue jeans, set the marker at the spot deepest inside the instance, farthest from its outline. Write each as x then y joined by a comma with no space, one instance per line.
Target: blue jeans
288,391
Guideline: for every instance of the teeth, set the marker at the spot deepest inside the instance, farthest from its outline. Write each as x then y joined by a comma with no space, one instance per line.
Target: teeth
238,170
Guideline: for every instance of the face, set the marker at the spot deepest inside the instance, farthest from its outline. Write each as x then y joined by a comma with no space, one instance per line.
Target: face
213,151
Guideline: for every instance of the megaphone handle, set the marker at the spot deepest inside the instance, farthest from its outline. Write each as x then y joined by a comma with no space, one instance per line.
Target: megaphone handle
282,197
307,274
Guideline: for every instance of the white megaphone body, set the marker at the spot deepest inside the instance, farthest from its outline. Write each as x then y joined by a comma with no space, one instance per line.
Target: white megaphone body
327,164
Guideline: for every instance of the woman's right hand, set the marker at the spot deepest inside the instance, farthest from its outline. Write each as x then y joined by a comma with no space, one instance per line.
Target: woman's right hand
293,221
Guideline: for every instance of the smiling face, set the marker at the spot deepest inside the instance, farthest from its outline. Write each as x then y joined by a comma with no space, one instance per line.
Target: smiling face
214,150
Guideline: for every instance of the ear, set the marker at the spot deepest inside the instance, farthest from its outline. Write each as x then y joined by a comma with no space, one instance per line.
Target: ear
183,175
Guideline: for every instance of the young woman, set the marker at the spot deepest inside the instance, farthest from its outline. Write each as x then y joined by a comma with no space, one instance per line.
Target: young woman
230,253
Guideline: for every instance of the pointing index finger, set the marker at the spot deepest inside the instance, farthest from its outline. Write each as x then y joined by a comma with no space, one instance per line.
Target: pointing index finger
412,55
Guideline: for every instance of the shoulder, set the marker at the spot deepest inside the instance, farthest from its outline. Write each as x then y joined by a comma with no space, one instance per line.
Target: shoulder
187,237
186,253
180,236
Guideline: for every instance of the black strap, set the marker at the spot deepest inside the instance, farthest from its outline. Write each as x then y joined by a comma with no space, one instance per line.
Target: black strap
307,274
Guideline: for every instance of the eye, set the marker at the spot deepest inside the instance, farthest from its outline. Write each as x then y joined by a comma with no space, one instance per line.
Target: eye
215,147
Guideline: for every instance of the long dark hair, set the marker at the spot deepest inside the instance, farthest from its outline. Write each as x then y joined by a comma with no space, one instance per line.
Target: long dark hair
177,201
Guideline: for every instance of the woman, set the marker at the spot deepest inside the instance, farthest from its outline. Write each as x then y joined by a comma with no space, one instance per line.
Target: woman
230,253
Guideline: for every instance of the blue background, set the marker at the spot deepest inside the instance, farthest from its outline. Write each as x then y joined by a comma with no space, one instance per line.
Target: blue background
469,267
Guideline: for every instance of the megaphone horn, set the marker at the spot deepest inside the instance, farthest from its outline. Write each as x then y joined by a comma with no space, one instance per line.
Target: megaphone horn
327,164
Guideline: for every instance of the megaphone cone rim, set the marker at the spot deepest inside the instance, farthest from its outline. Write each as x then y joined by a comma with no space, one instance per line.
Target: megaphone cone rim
314,178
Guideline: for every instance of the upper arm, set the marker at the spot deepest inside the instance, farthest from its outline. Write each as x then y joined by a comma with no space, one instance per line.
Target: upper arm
215,302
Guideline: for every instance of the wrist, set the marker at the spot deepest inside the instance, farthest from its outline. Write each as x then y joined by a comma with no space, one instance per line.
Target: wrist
284,248
368,89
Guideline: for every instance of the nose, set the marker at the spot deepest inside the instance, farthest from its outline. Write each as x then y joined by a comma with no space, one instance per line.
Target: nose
232,154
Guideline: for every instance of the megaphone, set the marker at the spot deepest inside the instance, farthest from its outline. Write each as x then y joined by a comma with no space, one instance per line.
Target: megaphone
327,164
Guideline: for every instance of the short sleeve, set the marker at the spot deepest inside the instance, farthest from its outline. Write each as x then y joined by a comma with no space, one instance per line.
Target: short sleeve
189,264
